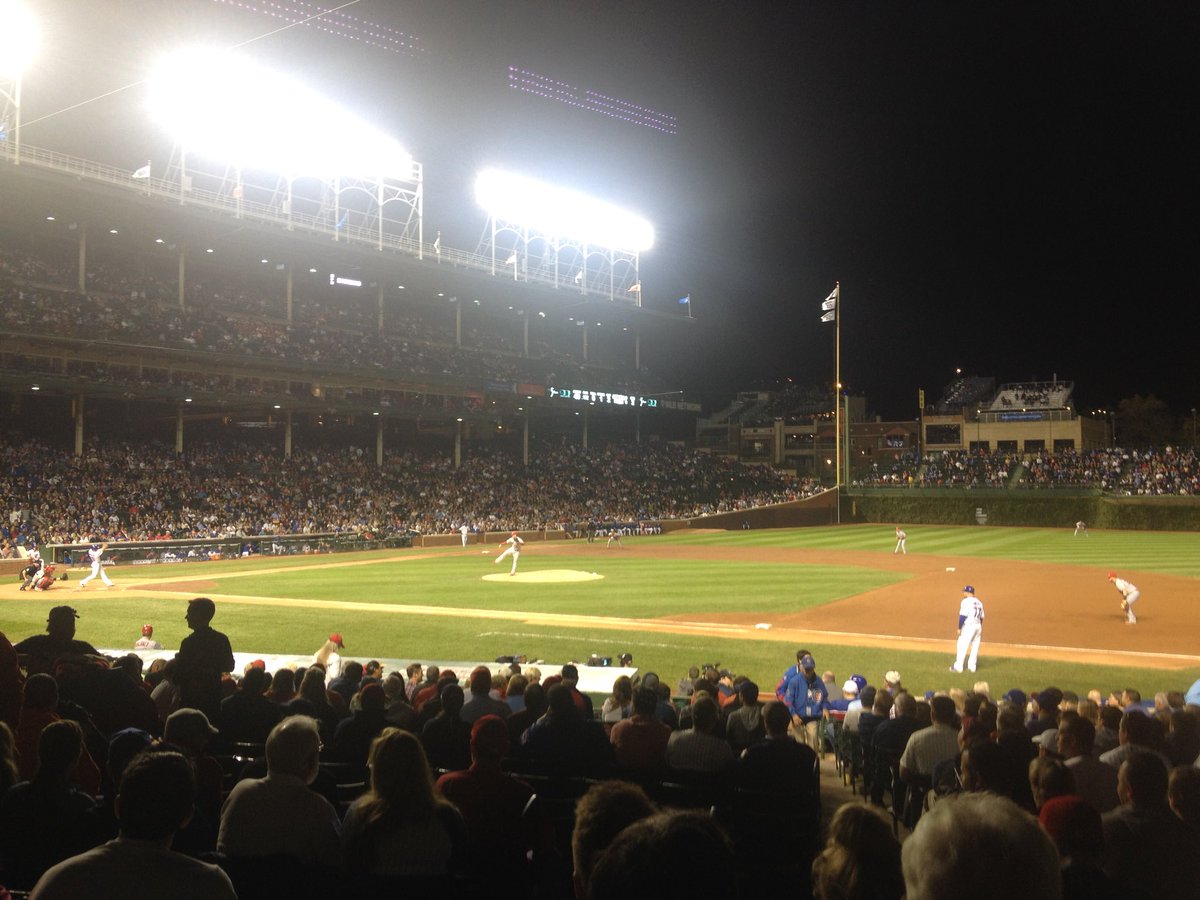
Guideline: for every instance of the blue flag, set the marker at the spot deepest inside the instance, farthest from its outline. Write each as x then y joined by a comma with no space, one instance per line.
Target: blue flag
685,301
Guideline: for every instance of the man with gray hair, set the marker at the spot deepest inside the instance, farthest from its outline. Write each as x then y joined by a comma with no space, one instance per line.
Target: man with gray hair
948,852
251,815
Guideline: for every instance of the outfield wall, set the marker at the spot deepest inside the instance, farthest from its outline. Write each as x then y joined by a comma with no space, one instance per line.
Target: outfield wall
813,511
1022,508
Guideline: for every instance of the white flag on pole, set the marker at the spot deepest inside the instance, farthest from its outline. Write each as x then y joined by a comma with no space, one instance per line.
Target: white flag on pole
828,317
830,302
512,260
143,172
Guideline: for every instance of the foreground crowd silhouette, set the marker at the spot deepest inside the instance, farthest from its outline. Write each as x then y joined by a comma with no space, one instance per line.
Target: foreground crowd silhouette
340,777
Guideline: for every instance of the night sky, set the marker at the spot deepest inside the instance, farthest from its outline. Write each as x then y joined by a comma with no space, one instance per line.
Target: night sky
1007,188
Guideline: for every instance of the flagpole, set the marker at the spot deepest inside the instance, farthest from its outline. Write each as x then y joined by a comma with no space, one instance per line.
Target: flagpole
837,390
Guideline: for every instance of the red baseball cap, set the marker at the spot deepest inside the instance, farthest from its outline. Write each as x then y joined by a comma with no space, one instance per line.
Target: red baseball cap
336,637
147,630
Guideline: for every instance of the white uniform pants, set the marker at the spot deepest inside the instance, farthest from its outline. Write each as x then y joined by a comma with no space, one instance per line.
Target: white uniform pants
969,637
514,553
1130,599
97,569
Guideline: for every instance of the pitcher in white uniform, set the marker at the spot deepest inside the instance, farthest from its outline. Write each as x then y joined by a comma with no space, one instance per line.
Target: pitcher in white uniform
513,549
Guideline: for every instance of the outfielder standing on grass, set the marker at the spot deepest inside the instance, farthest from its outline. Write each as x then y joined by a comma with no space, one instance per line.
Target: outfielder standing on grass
901,541
1129,595
94,553
970,630
514,550
1081,528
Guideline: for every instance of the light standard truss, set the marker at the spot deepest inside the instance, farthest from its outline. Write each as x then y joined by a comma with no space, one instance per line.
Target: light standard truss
385,213
529,255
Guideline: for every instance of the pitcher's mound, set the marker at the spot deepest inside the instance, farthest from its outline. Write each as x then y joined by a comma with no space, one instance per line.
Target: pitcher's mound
545,576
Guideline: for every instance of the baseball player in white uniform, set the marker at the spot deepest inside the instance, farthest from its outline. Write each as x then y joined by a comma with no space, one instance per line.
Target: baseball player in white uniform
970,630
464,529
513,549
1129,596
901,541
1081,528
94,554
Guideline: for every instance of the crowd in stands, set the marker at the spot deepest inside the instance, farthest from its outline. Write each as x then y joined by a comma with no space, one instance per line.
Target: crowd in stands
965,392
264,784
1171,471
1033,395
137,492
40,301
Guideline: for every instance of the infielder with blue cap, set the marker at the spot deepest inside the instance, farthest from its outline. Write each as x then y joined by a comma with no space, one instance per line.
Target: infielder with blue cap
970,630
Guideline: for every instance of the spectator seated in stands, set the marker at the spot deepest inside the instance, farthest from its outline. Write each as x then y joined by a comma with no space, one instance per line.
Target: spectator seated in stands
46,819
492,804
699,748
398,712
446,737
520,721
353,736
1137,733
1150,851
1074,826
861,857
154,802
1183,794
401,827
40,652
607,809
669,854
40,709
1095,781
982,827
189,732
481,703
929,746
347,683
251,816
640,742
248,716
744,724
888,742
564,740
778,764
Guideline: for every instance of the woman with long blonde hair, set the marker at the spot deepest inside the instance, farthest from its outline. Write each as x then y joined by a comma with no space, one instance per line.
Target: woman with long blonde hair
401,826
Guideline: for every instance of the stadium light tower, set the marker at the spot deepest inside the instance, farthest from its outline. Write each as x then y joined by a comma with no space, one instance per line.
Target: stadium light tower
224,106
562,219
20,37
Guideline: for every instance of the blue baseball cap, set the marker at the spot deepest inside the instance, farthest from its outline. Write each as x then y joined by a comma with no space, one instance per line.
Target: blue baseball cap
968,589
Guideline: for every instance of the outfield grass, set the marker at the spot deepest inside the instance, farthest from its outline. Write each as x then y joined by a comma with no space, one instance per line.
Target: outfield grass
632,588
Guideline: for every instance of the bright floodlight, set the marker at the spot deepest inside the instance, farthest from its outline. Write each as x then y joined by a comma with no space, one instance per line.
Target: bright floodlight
223,106
19,39
561,212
